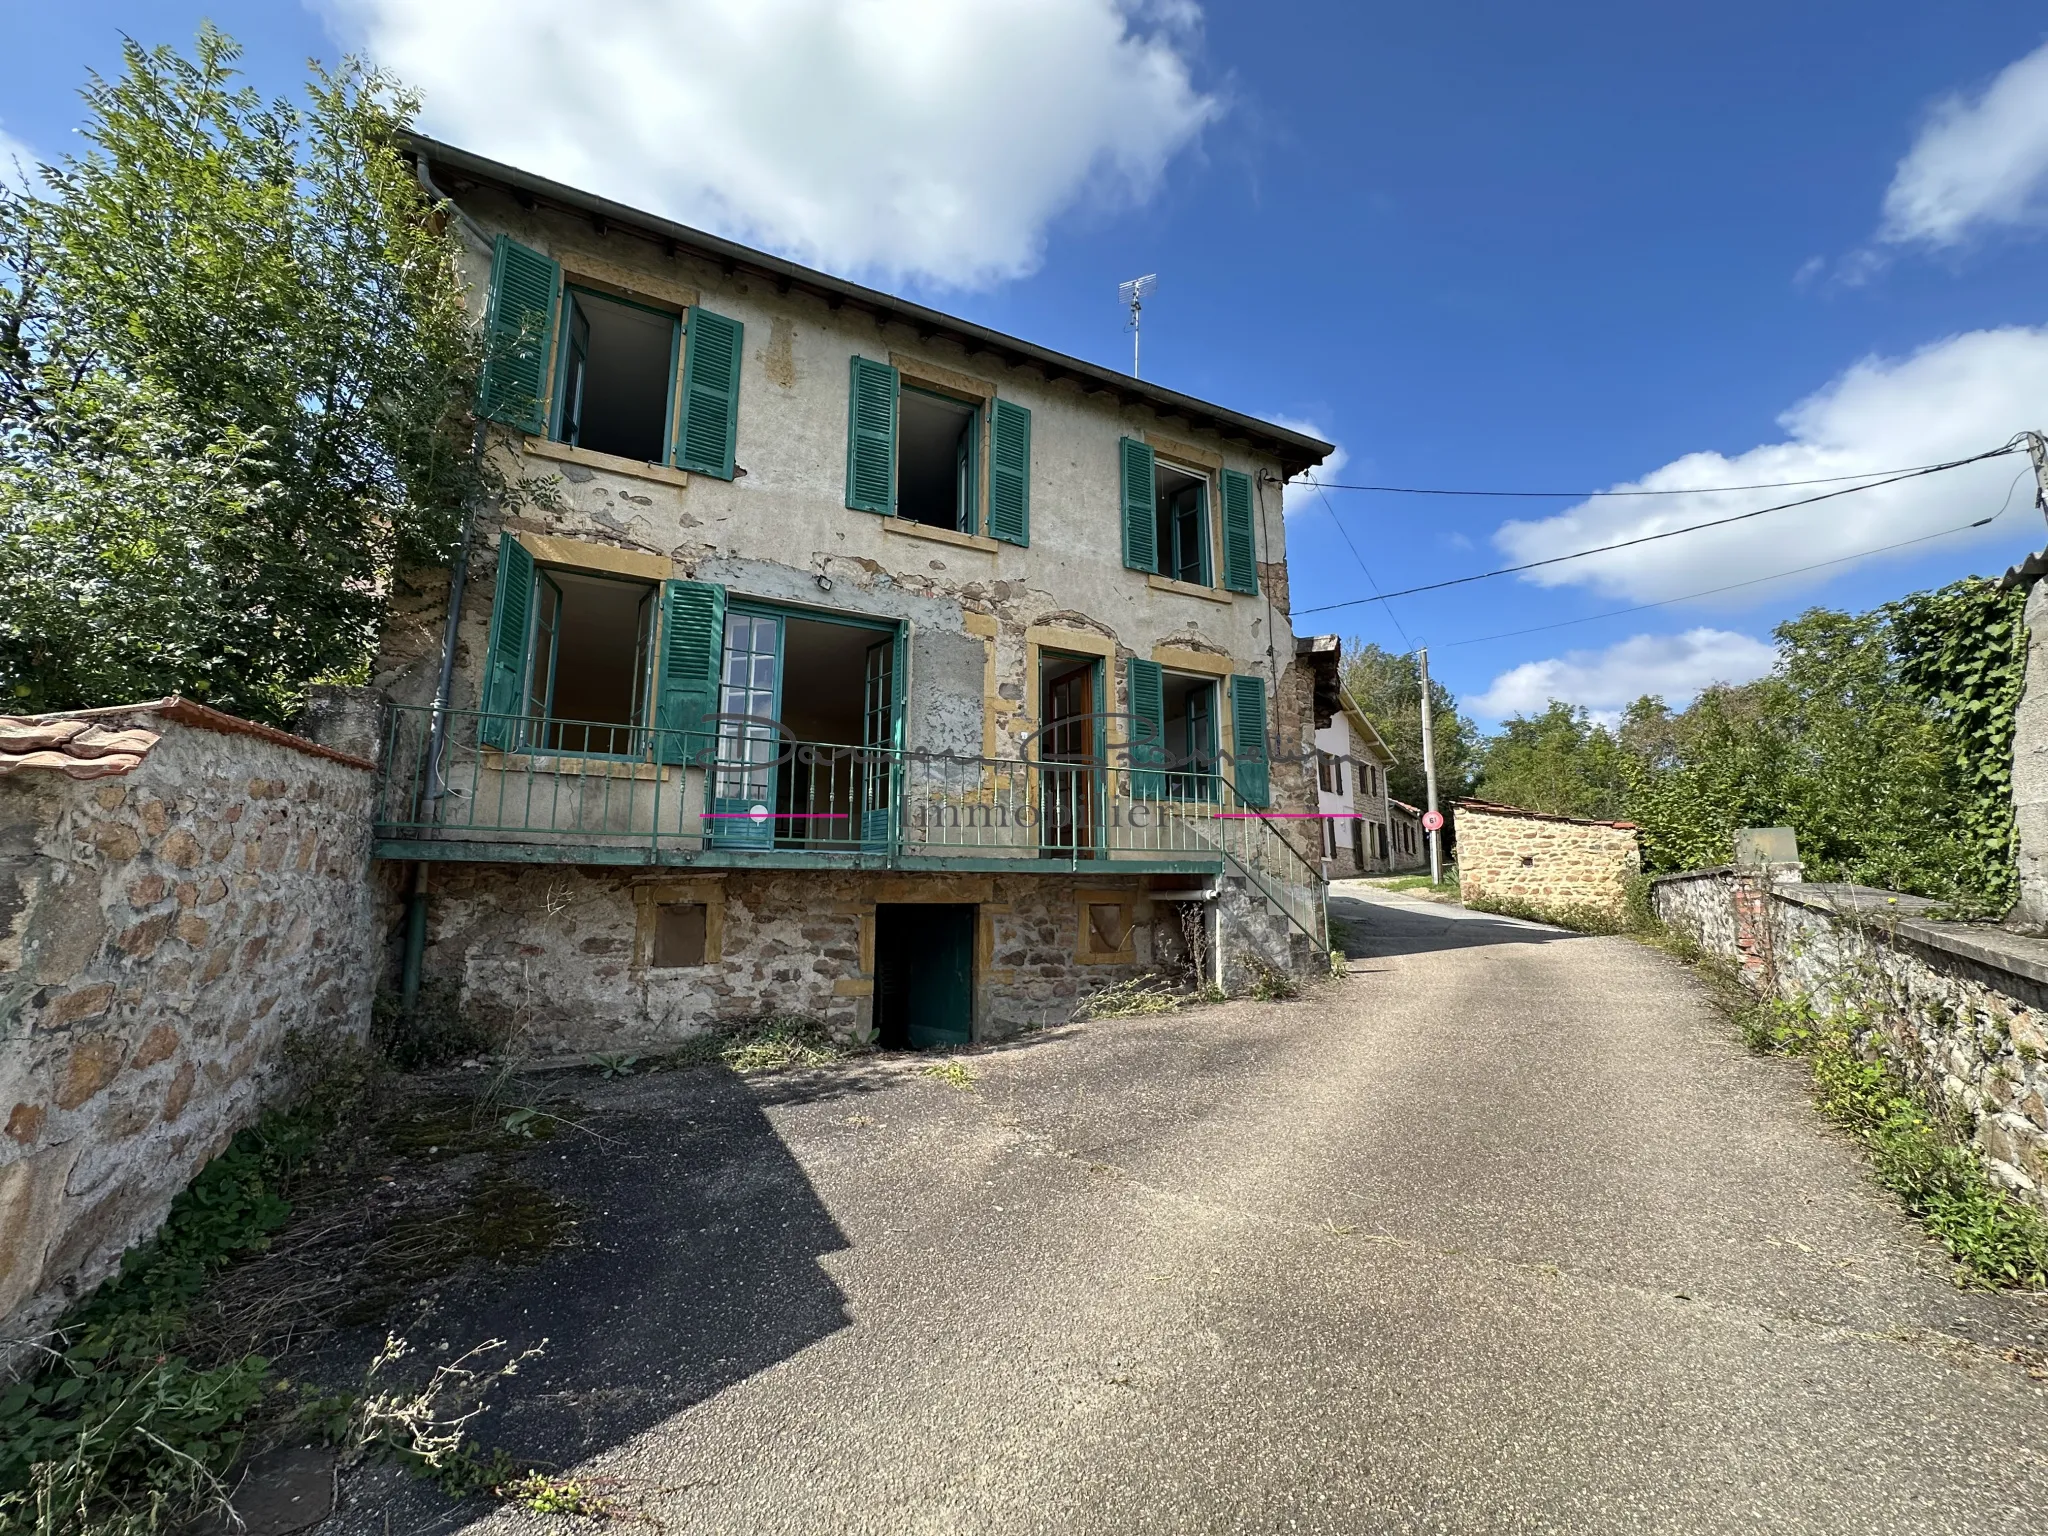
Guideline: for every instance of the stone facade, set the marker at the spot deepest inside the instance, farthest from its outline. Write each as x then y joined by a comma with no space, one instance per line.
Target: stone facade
1960,1008
1506,854
562,957
162,931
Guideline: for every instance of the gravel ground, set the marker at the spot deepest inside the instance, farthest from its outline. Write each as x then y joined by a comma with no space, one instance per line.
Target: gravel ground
1503,1232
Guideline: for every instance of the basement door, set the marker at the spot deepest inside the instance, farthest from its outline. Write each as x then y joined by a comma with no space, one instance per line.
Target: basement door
924,975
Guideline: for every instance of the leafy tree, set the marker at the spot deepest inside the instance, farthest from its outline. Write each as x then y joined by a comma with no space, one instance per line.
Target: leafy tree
234,380
1560,761
1388,688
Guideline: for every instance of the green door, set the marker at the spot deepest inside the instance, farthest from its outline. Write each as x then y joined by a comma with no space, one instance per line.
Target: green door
924,986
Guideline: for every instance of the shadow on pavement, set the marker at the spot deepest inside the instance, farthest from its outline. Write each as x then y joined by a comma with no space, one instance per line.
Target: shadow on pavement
1373,930
696,1265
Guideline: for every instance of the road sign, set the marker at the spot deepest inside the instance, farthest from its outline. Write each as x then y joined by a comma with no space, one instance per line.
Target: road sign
1432,820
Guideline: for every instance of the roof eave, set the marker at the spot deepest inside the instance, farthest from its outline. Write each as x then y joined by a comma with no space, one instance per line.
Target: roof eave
1296,451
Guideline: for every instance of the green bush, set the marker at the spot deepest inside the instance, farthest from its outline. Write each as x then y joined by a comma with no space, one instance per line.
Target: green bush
1914,1147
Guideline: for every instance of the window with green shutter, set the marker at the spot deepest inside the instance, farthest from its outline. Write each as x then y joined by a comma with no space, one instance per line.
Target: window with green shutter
1009,473
504,688
686,691
1240,549
1248,740
711,394
1141,540
518,334
1145,707
871,438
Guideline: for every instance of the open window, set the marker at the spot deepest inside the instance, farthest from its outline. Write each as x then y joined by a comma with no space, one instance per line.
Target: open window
590,665
1190,726
1181,502
937,462
618,359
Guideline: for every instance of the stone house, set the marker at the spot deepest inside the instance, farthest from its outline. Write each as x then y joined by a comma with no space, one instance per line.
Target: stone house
868,664
1408,844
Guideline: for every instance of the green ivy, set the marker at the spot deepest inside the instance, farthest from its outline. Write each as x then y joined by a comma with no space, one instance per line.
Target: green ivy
1963,652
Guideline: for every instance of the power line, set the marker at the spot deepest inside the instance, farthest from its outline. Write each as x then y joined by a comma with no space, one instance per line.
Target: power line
1346,532
1669,533
1798,570
1699,490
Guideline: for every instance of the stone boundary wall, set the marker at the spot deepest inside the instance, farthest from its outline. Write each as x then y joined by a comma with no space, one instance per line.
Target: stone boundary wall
1961,1008
1505,854
170,911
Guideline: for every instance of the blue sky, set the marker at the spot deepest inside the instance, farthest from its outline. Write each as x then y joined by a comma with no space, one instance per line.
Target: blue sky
1477,245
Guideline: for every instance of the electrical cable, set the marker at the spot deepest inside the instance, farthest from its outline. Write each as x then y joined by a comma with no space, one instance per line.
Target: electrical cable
1754,581
1669,533
1346,532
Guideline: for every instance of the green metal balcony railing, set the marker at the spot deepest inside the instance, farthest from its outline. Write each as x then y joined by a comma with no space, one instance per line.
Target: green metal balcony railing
748,788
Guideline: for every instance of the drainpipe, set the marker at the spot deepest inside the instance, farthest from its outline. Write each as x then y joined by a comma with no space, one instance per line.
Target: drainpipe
444,686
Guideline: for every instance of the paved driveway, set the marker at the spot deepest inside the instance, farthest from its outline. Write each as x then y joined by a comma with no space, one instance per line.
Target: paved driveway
1504,1233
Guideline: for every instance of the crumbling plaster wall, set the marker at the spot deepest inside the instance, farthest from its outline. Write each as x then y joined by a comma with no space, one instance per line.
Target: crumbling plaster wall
161,934
776,530
556,958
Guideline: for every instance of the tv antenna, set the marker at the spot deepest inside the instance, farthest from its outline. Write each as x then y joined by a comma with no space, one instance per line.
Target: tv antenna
1133,294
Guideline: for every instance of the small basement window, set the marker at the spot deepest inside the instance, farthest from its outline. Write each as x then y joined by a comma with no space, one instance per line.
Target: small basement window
679,935
1183,509
617,361
1107,930
591,662
937,474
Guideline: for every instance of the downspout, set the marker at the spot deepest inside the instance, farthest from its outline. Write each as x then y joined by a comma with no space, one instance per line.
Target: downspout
437,729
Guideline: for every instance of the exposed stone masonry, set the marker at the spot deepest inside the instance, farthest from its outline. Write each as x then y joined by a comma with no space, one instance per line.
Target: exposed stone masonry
1554,861
162,930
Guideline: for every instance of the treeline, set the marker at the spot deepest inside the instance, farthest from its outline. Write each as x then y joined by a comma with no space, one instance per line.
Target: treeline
1883,739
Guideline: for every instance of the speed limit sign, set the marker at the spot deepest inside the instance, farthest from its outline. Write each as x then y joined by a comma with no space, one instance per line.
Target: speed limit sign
1432,821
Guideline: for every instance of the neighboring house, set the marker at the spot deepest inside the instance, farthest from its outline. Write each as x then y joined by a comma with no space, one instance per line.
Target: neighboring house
1351,794
1404,831
870,665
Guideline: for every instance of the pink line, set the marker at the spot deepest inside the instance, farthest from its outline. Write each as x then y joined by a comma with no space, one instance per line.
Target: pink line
779,816
1287,815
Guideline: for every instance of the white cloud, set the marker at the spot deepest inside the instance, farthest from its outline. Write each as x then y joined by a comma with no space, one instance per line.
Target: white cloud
1947,401
1674,667
903,138
17,162
1979,162
1298,494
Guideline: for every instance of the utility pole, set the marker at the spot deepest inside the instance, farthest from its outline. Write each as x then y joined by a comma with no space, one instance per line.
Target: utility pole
2037,448
1436,858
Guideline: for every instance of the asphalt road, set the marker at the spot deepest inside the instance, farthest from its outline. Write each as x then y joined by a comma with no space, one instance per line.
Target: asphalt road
1505,1232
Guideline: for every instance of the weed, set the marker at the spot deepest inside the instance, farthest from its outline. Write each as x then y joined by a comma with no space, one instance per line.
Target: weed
775,1044
545,1494
427,1425
434,1033
1579,916
1915,1148
1445,888
1268,985
1130,999
953,1073
614,1066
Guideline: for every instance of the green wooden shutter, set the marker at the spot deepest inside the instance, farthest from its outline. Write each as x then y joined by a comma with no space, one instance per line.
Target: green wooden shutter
1248,740
1240,551
1145,685
517,336
871,438
1141,508
711,394
1009,473
686,693
505,653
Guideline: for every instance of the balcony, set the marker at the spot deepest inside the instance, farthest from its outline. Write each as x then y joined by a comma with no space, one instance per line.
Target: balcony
510,790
